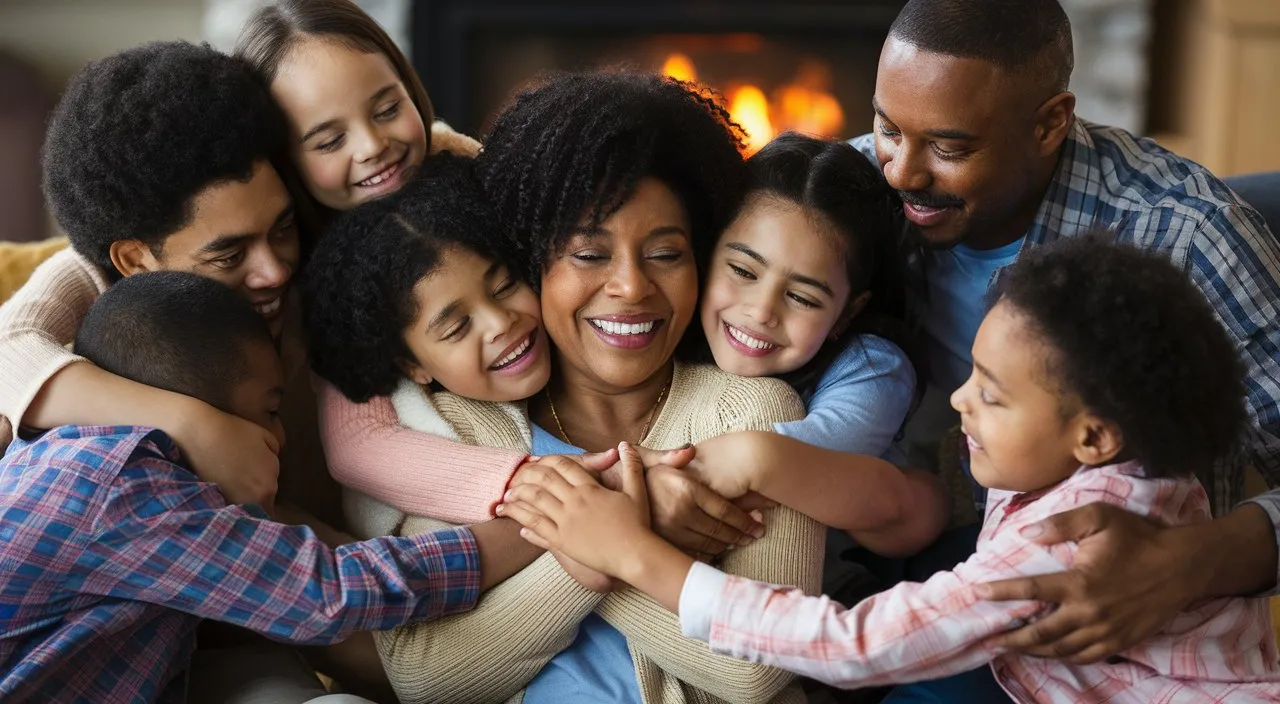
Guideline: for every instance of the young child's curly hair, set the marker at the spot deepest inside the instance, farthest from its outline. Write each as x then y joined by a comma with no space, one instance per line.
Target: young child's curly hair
1136,343
358,291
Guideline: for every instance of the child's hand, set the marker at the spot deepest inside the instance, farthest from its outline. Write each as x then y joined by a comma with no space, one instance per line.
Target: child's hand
595,462
726,464
563,508
240,456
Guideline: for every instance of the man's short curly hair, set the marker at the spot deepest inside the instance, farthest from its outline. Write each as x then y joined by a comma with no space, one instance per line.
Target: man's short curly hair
138,135
1137,344
359,285
574,146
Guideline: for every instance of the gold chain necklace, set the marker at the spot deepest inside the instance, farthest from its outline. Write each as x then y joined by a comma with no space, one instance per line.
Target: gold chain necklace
643,431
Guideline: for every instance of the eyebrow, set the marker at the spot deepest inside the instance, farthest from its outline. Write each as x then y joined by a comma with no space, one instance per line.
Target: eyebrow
944,133
987,373
226,242
330,123
798,278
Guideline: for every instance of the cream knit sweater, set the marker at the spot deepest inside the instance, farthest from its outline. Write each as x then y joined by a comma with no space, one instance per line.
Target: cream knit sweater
492,652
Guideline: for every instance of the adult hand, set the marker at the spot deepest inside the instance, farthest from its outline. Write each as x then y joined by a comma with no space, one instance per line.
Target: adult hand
240,456
1130,578
693,517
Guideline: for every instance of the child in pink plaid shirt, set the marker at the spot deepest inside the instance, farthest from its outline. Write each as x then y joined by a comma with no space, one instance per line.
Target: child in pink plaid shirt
1100,374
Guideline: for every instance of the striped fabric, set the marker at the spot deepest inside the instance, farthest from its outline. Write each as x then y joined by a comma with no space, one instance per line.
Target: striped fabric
111,553
1221,651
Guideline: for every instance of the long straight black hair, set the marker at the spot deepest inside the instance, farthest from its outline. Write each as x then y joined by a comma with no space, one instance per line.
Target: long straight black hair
836,182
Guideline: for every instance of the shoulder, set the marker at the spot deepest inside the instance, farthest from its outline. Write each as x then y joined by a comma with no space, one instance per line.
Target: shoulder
1166,201
868,357
1167,500
84,461
866,144
729,402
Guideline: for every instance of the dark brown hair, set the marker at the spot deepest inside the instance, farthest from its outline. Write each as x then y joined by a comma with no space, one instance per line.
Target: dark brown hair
273,31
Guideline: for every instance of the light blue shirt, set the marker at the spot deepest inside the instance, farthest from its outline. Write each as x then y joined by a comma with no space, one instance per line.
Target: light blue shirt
952,310
858,406
597,667
861,400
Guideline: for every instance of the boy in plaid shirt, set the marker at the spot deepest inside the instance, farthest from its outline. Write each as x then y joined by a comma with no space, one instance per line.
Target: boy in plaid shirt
114,551
1100,375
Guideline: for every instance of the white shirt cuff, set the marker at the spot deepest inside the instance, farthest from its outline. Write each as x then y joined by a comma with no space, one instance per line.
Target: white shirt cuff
699,598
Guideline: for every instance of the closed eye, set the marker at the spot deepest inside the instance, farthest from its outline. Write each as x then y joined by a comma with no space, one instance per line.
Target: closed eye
742,273
805,302
331,144
458,331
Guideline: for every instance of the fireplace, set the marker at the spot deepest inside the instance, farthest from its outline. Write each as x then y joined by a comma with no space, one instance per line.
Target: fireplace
808,66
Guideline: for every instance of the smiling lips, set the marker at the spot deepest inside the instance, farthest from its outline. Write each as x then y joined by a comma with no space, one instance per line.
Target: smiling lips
626,331
749,344
517,357
386,175
269,308
973,444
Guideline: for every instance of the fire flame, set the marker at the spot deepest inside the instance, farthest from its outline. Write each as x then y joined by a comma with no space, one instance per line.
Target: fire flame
805,104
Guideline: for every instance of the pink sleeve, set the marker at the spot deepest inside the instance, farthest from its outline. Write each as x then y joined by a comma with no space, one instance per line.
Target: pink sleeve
368,450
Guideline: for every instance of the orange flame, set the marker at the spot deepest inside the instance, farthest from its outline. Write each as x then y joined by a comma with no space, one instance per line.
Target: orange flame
679,67
805,104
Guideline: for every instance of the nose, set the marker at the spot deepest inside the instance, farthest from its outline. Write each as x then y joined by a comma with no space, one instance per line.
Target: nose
762,308
269,270
497,321
370,143
960,397
906,169
628,280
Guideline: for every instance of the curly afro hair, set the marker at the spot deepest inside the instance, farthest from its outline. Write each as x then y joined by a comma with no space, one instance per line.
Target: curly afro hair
1138,344
573,148
358,286
138,135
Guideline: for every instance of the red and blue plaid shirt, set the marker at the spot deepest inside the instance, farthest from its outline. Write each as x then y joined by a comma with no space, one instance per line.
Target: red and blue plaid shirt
111,554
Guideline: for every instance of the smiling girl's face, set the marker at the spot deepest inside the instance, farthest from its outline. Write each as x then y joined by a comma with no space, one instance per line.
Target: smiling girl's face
776,290
356,134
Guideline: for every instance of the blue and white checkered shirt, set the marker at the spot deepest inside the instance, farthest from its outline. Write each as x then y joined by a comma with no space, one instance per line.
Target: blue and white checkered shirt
1107,178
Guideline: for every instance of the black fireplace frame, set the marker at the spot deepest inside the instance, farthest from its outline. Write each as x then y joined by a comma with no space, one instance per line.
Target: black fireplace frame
442,30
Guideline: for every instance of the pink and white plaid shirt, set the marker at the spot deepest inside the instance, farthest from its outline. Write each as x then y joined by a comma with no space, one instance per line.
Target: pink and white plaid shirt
1223,650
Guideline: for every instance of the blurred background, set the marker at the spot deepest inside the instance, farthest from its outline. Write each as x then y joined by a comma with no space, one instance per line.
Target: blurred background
1201,76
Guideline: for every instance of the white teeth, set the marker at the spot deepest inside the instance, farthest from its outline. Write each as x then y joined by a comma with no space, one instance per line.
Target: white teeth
749,341
515,354
268,309
380,176
624,328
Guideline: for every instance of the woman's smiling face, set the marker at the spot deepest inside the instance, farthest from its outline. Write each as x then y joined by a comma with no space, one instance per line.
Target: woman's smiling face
616,299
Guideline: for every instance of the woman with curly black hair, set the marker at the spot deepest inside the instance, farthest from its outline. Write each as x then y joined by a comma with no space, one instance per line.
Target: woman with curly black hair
611,189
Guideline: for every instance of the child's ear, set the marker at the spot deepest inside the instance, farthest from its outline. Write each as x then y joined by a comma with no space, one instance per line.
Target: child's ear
1098,441
851,311
416,373
132,257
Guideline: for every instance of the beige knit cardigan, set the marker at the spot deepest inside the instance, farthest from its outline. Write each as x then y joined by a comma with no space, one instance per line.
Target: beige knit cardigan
492,652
